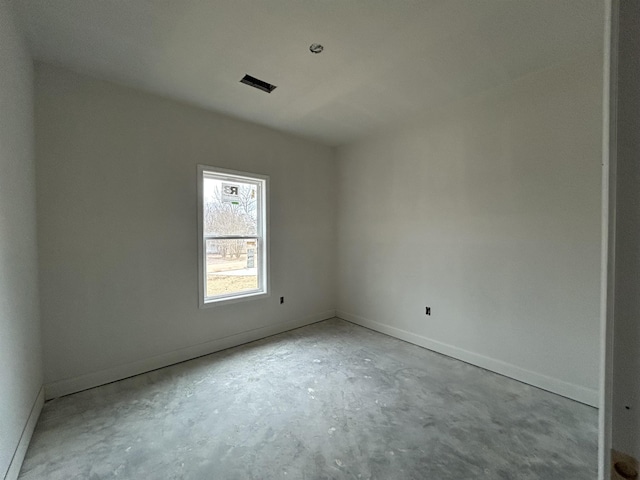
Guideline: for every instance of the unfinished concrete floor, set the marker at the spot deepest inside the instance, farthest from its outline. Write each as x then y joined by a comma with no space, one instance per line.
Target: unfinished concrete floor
327,401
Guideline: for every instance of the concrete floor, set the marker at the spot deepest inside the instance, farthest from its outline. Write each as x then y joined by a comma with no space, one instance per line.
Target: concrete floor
327,401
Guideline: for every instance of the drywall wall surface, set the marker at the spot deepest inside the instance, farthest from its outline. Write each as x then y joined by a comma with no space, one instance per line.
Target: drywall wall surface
116,176
20,350
626,388
488,211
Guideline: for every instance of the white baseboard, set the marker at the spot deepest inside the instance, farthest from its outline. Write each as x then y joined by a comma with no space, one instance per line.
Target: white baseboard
94,379
575,392
25,438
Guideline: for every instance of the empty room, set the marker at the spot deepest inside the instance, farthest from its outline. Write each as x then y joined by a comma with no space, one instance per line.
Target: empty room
318,239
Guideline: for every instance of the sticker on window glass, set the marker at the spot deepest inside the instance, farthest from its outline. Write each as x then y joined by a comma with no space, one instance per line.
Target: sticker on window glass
231,193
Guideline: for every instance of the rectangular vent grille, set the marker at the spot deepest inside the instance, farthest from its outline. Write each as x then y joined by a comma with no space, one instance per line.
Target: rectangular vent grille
257,83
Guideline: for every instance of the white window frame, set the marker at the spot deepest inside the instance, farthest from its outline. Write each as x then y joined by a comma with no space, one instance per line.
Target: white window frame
262,236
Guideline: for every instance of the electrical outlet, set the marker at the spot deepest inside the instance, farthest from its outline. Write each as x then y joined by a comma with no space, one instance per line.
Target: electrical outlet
427,310
281,300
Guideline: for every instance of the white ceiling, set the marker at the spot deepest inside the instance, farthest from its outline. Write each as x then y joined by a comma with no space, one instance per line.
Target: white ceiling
384,60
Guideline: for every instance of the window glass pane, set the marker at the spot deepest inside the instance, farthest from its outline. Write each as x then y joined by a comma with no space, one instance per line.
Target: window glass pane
229,207
231,266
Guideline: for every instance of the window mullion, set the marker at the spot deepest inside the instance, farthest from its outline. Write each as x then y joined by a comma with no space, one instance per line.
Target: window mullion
231,237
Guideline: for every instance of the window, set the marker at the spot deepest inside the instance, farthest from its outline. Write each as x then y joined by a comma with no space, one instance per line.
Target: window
232,244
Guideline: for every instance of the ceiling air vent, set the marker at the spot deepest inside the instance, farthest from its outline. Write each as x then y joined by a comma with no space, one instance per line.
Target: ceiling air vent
257,83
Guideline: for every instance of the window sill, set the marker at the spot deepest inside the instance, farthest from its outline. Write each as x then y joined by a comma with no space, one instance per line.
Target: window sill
218,302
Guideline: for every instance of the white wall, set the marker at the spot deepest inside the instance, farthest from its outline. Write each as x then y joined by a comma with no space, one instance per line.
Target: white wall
116,177
20,351
489,212
626,387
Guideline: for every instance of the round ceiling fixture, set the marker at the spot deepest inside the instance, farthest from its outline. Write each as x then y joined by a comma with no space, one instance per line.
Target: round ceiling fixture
316,48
